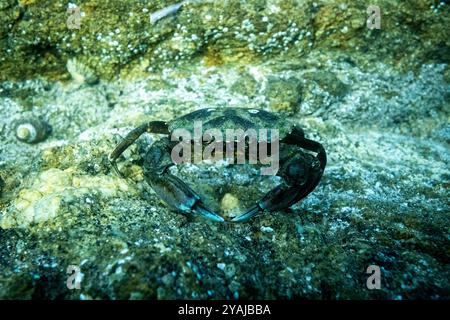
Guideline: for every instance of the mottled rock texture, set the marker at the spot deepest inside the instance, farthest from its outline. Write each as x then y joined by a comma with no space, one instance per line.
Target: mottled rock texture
378,100
116,37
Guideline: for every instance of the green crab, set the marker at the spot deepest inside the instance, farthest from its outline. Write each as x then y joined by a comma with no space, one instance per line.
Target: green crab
301,161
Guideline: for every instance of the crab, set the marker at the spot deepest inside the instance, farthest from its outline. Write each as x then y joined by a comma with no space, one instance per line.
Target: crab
301,161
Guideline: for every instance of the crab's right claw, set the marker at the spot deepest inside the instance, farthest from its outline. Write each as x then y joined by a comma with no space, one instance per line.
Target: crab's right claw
253,211
279,198
180,196
274,200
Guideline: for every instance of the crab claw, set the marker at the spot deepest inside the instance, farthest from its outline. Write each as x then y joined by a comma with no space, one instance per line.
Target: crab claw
204,212
178,195
116,169
253,211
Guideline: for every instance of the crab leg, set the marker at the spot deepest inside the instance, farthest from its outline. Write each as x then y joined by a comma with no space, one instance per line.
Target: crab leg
130,138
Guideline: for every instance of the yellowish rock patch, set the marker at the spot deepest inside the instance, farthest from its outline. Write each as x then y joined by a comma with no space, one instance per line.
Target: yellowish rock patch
42,200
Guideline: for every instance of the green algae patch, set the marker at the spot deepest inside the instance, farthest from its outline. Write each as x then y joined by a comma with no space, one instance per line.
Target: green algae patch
117,38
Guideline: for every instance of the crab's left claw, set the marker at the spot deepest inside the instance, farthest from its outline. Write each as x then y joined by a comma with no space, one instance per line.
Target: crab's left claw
204,212
180,196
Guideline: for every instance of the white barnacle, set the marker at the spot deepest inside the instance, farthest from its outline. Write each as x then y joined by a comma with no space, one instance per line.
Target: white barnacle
81,73
164,12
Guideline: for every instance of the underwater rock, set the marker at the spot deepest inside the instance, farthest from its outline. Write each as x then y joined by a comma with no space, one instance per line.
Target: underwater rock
245,85
283,95
10,13
376,99
329,82
382,199
206,29
42,200
321,89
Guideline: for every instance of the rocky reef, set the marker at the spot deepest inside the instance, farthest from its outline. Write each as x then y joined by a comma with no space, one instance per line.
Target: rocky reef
378,100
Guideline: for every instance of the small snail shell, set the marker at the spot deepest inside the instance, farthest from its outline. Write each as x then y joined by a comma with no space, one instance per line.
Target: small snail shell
31,130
